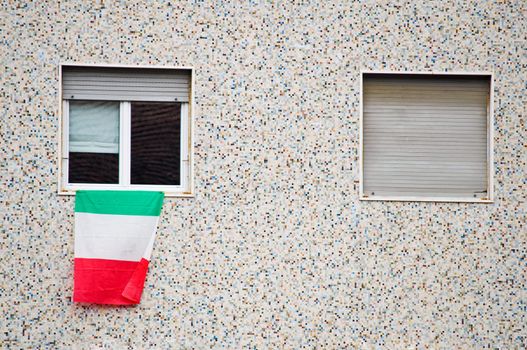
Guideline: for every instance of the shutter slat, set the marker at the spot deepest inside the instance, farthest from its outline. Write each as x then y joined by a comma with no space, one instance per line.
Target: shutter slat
387,115
407,164
423,177
390,92
437,121
447,186
157,84
429,133
461,99
439,108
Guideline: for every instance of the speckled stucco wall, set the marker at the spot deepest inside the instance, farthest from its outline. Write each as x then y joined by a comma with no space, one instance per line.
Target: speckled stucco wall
275,251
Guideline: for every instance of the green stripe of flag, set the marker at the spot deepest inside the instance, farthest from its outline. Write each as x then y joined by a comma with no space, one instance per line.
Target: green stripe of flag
144,203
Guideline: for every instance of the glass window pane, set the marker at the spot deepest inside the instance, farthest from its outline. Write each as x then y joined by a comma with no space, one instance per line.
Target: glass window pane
94,126
93,142
156,135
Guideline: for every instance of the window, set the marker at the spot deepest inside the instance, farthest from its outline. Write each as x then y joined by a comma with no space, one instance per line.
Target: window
126,128
426,137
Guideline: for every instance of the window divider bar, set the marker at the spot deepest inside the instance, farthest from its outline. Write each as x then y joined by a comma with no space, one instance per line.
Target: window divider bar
65,142
125,143
184,145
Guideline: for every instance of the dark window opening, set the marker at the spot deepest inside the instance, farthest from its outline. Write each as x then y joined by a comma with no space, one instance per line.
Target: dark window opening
155,143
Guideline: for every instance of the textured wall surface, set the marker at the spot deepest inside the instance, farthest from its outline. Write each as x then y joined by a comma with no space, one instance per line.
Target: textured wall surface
275,251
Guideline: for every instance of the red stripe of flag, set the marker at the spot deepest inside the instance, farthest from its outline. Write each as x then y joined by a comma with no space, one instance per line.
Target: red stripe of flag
104,281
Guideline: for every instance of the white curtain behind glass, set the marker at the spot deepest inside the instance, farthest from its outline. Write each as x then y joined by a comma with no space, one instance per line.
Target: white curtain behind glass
94,126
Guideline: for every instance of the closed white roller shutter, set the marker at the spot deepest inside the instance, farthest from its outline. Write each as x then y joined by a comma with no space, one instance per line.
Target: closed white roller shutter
125,84
425,136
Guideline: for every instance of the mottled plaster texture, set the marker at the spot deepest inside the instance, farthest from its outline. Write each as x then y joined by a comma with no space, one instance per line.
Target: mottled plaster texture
275,251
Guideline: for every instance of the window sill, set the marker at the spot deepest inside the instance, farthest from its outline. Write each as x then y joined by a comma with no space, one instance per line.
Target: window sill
168,194
428,199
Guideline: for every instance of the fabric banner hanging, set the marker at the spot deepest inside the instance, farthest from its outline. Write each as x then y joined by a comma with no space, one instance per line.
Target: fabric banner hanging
114,237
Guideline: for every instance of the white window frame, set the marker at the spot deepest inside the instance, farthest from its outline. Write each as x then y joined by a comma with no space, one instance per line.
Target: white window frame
490,142
186,187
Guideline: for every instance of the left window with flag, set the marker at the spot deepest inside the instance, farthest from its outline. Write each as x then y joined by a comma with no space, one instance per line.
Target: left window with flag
126,128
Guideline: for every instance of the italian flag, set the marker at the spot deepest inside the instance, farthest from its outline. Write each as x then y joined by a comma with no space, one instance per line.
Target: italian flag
114,236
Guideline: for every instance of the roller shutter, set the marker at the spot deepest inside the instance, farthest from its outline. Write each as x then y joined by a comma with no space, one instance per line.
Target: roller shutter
425,135
125,84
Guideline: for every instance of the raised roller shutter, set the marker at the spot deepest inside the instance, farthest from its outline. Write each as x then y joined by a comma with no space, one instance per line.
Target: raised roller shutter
425,135
125,84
